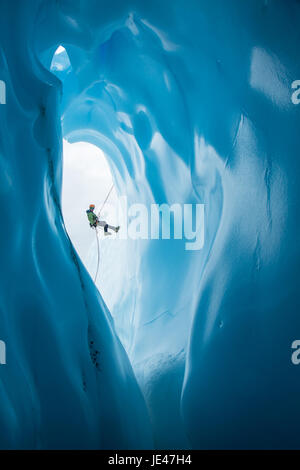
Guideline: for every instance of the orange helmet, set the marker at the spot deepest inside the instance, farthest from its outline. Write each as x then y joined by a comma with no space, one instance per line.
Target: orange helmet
92,206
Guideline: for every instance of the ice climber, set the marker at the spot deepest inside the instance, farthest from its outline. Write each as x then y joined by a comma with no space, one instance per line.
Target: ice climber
96,222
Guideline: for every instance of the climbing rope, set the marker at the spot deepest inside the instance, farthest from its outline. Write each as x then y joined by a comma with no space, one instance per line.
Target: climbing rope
105,201
98,250
96,231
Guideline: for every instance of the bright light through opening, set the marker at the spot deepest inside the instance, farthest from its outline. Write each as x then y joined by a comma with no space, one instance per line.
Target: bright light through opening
86,180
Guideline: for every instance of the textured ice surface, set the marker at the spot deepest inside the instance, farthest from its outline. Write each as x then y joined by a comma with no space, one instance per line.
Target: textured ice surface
191,101
68,382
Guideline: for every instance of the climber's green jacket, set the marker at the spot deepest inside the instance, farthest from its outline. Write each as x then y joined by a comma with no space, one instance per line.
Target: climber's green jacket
93,219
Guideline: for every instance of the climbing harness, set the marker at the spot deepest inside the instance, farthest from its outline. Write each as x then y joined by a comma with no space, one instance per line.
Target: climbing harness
96,231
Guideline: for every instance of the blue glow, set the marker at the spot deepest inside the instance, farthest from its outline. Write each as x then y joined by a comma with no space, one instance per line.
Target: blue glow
192,103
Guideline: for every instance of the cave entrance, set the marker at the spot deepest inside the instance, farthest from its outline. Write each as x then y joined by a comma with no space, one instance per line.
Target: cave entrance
87,179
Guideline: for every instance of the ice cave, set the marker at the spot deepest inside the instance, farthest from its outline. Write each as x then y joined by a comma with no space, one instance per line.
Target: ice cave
192,102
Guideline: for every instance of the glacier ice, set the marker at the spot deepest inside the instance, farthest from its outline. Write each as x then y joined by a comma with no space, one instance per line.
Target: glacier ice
191,101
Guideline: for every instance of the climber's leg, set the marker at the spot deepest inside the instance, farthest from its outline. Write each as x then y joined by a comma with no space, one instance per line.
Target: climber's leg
105,225
106,232
102,223
115,229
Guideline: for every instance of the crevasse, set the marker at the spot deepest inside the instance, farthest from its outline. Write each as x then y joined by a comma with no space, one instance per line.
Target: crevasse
191,101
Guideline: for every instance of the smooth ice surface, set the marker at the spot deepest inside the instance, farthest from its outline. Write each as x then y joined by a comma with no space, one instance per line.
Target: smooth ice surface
191,102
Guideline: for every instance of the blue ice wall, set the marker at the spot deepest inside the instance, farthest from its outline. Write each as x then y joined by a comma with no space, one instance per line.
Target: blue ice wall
191,100
67,382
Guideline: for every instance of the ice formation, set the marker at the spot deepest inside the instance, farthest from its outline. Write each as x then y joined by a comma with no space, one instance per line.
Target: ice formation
191,101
